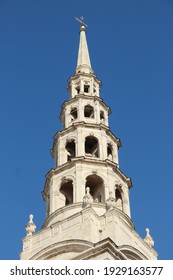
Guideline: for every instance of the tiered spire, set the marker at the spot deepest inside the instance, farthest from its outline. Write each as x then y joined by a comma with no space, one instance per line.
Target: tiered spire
85,189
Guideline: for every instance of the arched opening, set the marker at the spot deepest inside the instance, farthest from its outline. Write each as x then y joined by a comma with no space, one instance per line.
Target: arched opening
66,191
73,113
109,151
70,150
118,199
88,111
91,146
96,185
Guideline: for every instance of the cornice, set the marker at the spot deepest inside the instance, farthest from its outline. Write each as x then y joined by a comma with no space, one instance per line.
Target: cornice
85,96
87,160
83,74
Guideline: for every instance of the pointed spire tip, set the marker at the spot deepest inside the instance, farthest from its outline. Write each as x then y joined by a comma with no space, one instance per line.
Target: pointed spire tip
83,61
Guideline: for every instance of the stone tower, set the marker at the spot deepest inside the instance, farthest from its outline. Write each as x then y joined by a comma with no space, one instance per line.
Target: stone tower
86,194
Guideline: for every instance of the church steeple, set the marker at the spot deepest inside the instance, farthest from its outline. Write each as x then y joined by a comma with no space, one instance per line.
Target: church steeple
86,194
83,61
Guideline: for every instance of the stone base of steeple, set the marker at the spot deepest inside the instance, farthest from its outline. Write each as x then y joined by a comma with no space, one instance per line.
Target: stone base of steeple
91,232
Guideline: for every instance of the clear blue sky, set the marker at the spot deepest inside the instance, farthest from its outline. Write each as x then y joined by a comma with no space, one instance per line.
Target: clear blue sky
131,50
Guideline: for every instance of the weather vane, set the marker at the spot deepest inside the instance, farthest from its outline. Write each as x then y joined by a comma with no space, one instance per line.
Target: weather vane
81,20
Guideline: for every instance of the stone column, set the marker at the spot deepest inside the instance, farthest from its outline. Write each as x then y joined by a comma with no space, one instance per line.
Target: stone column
79,192
73,91
97,112
115,153
106,191
51,197
103,146
126,202
106,119
65,116
59,151
81,86
80,143
91,86
81,110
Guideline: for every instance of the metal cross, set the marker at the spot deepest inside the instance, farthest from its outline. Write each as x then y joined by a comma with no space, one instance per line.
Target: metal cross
81,20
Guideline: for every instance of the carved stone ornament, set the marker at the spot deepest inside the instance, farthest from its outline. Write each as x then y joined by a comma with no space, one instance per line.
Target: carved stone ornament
30,227
110,202
148,239
87,199
63,179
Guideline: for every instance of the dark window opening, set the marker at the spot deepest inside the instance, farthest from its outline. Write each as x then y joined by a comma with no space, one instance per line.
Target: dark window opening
73,113
70,150
88,111
118,194
77,89
109,152
102,117
118,199
67,191
91,146
86,88
96,185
